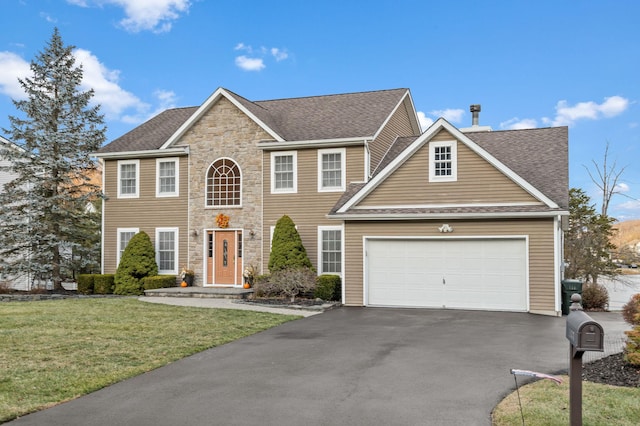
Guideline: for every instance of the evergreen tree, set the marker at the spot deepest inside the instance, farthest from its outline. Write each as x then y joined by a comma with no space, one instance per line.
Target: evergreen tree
287,250
137,262
43,216
588,244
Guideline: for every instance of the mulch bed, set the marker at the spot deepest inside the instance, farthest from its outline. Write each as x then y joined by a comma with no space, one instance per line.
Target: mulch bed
612,370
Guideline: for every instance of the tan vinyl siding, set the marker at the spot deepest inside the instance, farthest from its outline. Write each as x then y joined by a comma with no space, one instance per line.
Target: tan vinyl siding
308,207
478,182
541,248
398,125
147,212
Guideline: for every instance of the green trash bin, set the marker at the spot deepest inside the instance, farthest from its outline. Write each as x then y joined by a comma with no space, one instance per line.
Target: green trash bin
569,287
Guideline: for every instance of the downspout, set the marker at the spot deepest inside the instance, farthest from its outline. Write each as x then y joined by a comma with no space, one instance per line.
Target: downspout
367,161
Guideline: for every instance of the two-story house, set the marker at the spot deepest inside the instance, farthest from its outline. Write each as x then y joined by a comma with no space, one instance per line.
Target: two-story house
454,218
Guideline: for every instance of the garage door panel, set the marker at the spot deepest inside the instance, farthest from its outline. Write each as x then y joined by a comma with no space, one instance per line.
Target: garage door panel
463,274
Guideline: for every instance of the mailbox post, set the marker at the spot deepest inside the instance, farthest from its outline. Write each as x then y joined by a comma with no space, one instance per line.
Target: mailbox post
583,334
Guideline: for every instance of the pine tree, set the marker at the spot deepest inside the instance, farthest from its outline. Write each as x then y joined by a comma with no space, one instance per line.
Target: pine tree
287,250
43,216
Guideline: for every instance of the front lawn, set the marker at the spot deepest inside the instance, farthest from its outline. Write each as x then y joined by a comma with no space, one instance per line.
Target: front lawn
54,351
545,403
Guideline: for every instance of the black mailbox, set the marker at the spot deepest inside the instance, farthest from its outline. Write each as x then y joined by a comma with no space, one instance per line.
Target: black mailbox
584,333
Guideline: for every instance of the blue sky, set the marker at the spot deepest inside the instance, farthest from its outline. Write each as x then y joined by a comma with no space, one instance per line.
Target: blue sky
529,63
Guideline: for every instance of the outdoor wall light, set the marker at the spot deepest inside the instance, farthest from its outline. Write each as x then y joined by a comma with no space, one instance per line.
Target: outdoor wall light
445,228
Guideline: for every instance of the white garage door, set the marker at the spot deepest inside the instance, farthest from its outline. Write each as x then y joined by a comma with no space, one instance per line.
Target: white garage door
487,274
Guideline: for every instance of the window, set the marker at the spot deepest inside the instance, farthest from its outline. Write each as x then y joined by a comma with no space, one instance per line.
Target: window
128,179
331,170
167,177
224,184
443,162
284,172
167,250
124,236
330,250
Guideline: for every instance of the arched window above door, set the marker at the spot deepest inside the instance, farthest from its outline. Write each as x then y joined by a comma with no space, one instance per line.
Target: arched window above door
224,184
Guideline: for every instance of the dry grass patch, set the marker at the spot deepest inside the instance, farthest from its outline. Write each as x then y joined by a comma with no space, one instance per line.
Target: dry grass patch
545,403
54,351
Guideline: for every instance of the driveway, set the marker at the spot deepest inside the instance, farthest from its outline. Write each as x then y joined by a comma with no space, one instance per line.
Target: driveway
348,366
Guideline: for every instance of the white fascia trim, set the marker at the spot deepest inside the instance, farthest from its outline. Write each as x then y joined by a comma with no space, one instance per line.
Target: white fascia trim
440,124
439,206
316,143
406,95
220,92
169,152
427,216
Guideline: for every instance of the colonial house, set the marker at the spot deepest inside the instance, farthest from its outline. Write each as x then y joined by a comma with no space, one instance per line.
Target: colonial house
449,218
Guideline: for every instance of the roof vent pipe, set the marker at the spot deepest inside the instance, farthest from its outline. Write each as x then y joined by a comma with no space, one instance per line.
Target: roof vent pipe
475,114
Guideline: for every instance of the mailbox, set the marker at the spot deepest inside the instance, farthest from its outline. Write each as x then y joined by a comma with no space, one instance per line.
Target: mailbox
584,333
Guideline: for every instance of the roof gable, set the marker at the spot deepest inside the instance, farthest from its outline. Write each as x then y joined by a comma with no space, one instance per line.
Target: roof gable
504,163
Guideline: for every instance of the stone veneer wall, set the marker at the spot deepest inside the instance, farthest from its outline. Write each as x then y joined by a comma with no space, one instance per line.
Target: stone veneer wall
225,131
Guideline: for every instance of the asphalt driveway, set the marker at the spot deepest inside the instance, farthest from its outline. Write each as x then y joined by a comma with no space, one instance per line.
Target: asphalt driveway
348,366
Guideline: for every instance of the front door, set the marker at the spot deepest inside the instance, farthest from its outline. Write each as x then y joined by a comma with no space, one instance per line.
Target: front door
224,257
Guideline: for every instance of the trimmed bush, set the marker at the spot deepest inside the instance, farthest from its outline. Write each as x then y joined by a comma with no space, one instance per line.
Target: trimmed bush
287,250
632,350
137,261
85,283
158,281
594,297
292,282
631,309
328,287
103,284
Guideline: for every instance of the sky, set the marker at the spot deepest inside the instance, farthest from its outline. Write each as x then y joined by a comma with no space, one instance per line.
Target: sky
530,64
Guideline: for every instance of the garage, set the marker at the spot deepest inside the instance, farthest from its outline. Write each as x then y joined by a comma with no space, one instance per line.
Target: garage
464,273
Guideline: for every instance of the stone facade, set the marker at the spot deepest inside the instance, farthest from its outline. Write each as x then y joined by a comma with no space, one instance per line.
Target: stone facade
225,132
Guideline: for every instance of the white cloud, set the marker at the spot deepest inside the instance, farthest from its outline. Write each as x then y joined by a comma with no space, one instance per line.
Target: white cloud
424,121
250,64
451,115
144,15
254,60
12,67
518,124
567,115
622,187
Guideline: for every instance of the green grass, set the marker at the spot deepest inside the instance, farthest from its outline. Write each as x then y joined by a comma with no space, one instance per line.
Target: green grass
54,351
545,403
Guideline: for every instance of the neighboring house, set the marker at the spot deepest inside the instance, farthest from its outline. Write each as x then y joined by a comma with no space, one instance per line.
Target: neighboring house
21,282
450,218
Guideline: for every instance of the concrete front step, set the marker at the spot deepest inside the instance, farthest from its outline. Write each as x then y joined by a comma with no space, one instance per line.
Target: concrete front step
201,292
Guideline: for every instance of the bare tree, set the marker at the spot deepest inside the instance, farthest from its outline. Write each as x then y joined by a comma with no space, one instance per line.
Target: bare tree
607,179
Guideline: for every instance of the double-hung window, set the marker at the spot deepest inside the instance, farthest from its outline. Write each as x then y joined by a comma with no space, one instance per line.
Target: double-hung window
128,178
443,163
330,250
167,250
331,170
284,172
167,177
124,236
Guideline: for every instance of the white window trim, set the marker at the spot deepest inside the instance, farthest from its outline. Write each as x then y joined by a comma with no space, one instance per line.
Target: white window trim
454,162
330,228
177,241
206,177
293,190
137,164
119,240
343,171
176,161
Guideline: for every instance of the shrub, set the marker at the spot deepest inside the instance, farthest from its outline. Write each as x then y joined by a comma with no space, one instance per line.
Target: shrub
631,309
632,350
292,282
263,287
287,250
328,287
137,261
595,297
158,281
103,284
85,283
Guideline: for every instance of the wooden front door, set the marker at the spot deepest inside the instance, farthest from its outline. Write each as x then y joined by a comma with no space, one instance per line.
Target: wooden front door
224,257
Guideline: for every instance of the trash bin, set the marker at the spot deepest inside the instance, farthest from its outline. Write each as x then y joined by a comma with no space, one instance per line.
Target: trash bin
569,287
